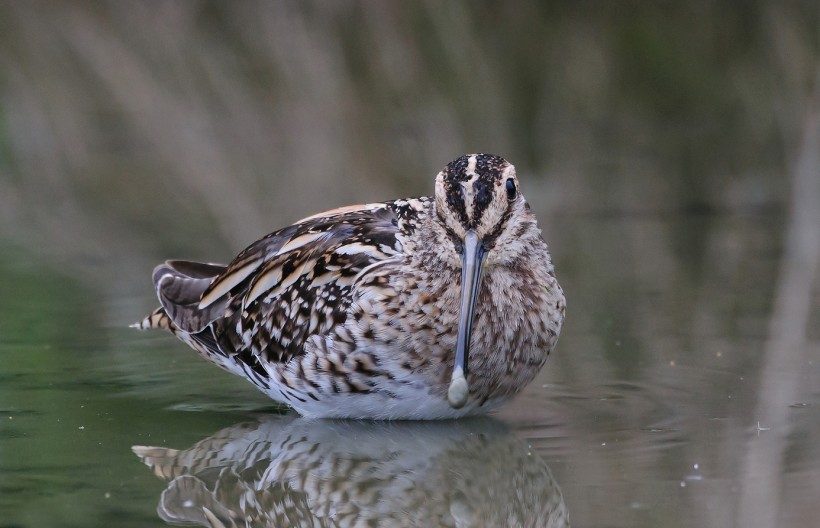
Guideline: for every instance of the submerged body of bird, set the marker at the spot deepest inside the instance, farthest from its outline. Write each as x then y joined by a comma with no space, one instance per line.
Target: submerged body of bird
373,311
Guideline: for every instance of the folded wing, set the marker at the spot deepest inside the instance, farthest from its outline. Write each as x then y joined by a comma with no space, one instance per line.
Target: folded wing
282,289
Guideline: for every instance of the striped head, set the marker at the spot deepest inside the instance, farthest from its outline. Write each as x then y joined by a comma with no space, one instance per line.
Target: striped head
477,192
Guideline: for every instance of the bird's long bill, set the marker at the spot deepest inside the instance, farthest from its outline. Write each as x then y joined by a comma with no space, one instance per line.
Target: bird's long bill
472,260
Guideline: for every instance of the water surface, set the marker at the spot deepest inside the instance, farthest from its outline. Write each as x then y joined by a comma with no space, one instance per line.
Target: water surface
646,414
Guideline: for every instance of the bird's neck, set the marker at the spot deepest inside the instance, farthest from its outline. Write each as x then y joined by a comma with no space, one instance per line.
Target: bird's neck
430,245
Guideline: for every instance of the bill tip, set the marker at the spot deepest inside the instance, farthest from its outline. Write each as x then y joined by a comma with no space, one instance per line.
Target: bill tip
458,391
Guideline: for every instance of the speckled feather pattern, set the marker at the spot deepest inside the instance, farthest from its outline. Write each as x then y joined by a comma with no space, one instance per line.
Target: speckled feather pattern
354,312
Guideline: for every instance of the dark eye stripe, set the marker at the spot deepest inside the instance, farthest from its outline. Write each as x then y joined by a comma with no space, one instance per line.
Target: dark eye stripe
455,200
489,240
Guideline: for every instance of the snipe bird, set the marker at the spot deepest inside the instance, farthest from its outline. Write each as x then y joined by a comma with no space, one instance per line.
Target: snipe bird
418,308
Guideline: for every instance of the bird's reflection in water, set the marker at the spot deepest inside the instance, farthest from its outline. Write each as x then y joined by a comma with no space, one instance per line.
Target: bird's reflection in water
296,472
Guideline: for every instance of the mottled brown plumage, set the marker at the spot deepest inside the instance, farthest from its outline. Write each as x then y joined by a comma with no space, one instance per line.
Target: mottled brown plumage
374,310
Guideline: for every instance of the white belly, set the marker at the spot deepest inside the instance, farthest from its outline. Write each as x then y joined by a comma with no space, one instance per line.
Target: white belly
405,403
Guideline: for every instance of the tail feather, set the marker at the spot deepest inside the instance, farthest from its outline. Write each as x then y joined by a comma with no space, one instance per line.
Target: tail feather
179,285
157,319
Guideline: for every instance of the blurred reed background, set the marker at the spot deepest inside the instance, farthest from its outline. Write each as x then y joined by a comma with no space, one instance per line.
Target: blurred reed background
130,130
670,150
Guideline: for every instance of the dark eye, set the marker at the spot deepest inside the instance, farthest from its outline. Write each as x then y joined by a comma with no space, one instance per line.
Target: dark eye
511,192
